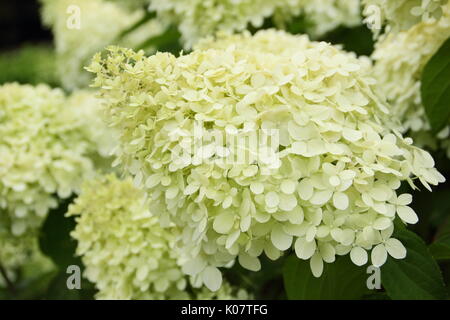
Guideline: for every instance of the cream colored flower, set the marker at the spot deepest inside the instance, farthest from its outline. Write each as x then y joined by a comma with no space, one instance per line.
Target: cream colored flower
127,254
400,15
201,18
399,61
324,186
83,27
21,255
47,148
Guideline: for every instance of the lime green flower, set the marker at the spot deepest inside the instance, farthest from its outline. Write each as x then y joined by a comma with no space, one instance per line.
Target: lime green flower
326,15
83,27
47,148
399,61
321,176
127,254
201,18
401,15
21,255
15,251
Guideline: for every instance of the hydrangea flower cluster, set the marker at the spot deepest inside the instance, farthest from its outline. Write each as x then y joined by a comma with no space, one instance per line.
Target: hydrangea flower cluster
326,186
21,254
79,33
126,252
401,15
399,62
201,18
14,251
47,149
326,15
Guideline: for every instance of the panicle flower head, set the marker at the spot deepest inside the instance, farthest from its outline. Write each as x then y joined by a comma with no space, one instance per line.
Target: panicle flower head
21,254
400,15
15,251
127,254
250,147
83,27
399,61
326,15
201,18
47,149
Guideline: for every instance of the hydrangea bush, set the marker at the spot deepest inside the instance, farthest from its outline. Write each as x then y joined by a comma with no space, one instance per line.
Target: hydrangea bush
224,153
200,18
78,33
399,61
47,149
400,15
327,188
127,254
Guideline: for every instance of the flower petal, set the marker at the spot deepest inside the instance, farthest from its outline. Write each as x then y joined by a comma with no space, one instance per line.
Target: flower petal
395,248
248,262
280,239
407,214
379,255
212,278
316,264
304,249
340,200
359,256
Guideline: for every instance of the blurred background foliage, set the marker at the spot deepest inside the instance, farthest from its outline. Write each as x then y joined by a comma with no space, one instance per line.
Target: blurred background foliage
27,56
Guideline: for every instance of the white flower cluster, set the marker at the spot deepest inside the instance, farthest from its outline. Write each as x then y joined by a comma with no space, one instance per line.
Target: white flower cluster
21,255
21,258
47,149
326,15
400,15
201,18
83,27
14,251
326,187
399,61
126,252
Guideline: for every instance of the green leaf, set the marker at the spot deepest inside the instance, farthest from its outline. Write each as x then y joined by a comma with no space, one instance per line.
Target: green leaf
341,280
357,39
169,41
435,88
417,276
36,287
440,249
58,290
55,240
266,284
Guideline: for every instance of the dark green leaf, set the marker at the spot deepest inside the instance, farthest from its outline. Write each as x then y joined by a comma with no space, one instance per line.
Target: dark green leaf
341,280
58,290
357,39
415,277
36,287
436,88
266,284
55,240
169,41
440,249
